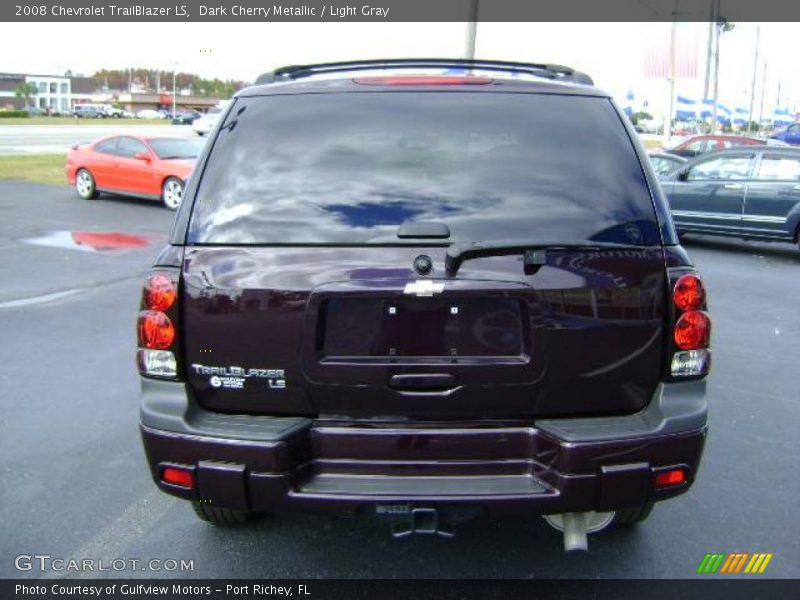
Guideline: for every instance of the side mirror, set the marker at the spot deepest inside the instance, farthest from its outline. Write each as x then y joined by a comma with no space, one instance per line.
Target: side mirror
142,156
683,175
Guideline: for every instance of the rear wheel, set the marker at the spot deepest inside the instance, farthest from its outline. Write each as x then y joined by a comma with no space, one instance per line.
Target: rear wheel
221,516
85,185
631,516
172,192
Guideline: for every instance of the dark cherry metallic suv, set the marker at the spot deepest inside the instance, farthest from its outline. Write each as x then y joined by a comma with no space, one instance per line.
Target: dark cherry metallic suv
419,295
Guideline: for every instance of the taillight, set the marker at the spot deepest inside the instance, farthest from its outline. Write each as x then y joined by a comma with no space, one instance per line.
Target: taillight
159,292
689,293
691,334
419,80
692,331
156,331
156,326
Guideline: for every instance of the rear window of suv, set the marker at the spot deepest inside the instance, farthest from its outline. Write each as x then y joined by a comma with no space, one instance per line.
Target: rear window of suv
349,168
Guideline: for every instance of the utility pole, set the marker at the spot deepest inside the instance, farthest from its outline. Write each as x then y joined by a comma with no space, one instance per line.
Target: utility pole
712,20
719,27
755,72
672,60
174,90
472,30
761,103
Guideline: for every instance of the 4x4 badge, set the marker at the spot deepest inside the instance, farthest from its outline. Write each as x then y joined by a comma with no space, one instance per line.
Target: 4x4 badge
424,287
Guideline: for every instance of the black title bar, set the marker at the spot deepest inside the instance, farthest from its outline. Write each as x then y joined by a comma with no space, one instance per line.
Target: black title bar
394,10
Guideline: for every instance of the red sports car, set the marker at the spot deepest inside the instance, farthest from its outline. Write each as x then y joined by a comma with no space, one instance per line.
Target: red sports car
700,144
146,167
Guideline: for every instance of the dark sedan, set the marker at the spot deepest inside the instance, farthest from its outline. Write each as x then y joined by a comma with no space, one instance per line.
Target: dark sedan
186,117
748,192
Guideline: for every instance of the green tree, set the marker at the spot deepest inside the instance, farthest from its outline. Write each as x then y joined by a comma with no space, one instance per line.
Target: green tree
26,91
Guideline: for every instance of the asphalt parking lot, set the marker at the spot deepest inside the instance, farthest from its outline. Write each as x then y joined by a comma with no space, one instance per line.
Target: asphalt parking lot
73,480
39,139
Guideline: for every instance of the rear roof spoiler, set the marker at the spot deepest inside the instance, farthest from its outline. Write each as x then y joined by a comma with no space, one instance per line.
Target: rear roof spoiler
557,72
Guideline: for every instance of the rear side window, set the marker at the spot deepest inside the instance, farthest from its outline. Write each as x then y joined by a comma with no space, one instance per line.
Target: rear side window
107,146
130,147
723,167
777,168
349,168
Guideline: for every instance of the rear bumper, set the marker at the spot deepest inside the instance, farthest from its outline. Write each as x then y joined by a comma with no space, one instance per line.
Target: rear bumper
548,466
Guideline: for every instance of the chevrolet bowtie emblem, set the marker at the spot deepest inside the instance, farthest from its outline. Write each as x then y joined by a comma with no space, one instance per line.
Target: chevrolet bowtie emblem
424,287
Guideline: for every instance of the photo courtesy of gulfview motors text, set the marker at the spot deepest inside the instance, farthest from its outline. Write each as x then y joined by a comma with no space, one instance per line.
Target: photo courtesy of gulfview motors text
136,590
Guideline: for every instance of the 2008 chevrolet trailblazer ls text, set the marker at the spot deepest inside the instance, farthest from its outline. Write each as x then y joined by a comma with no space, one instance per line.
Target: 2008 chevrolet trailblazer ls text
424,296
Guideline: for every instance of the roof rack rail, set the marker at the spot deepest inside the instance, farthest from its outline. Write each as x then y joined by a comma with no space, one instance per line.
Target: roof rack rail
548,71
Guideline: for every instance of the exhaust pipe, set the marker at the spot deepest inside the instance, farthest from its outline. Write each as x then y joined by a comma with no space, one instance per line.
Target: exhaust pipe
575,532
576,526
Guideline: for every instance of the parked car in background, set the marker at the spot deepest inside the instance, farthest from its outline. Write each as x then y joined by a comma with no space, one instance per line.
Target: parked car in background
790,135
186,117
372,303
664,162
149,113
89,111
700,144
203,125
148,167
111,111
751,192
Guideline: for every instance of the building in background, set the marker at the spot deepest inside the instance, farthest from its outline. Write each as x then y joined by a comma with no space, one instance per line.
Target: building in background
57,94
50,93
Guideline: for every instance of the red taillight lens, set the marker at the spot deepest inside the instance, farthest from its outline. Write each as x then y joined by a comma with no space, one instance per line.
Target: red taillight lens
689,293
156,331
159,292
669,478
175,476
692,331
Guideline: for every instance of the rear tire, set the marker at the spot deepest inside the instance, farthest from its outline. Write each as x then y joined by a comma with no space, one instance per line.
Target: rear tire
632,516
85,185
172,193
221,516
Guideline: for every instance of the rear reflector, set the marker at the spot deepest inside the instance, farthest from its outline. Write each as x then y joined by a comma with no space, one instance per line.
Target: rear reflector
155,330
178,476
670,478
423,80
692,331
157,363
691,363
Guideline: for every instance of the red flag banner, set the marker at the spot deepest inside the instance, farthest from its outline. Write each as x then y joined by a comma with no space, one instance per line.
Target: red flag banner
657,57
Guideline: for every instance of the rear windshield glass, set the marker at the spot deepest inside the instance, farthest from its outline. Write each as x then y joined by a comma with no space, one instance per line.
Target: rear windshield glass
350,168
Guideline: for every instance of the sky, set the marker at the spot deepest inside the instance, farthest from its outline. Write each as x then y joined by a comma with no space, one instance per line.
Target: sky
612,53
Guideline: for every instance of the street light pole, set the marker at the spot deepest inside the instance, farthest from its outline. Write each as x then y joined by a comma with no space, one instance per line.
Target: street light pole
174,91
472,30
719,27
672,60
753,87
